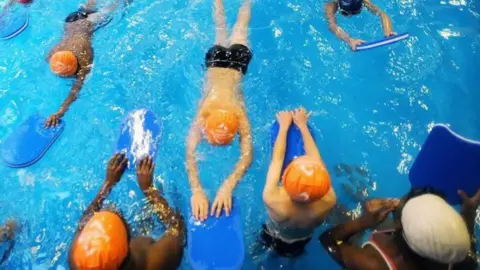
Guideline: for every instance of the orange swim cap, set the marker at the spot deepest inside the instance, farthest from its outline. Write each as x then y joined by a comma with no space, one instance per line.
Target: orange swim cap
221,127
102,244
64,63
306,179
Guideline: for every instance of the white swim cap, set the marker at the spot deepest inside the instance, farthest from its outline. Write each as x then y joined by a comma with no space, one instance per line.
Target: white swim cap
434,230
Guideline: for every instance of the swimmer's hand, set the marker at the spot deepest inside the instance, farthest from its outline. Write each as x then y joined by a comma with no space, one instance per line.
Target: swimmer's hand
199,204
54,120
377,210
389,33
223,200
300,117
470,204
145,173
354,43
284,119
115,169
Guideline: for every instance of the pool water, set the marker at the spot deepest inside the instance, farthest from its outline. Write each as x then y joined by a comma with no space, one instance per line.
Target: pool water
371,109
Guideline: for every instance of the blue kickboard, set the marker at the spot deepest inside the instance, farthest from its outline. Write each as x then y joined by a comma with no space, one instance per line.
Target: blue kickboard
13,22
29,142
217,243
139,136
295,147
447,162
382,42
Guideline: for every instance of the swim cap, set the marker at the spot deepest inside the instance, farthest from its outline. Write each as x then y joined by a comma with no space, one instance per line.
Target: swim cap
102,244
306,179
350,6
64,63
434,230
24,1
221,127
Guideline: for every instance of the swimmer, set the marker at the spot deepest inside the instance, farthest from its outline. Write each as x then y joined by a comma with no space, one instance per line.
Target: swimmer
222,111
350,8
7,234
103,238
73,55
306,197
428,234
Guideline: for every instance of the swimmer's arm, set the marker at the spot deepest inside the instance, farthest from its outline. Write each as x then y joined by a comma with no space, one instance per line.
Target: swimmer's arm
330,10
172,220
246,153
275,169
194,137
310,146
96,204
336,243
73,95
386,22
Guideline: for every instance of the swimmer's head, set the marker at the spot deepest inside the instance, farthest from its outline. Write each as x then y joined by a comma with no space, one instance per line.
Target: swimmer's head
64,63
306,179
221,125
102,244
350,7
434,230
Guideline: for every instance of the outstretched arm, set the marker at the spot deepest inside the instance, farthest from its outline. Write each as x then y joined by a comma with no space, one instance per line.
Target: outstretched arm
224,194
284,120
198,201
330,11
386,22
115,169
54,119
167,252
300,117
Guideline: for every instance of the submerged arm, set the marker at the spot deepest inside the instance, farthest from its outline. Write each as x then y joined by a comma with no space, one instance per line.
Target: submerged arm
73,95
246,154
386,22
330,10
194,137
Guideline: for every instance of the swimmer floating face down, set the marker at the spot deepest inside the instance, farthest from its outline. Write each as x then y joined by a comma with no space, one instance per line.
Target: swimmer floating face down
221,114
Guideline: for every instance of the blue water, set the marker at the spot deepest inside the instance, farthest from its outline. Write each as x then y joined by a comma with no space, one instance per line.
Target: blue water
372,109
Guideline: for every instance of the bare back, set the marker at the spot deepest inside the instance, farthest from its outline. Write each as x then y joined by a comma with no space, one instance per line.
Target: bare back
288,214
77,39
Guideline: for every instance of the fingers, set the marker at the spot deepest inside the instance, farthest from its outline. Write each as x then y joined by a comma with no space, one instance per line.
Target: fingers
463,195
196,211
204,210
220,206
228,206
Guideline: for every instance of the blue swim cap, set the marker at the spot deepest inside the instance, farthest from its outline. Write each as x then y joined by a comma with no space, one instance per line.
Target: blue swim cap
350,7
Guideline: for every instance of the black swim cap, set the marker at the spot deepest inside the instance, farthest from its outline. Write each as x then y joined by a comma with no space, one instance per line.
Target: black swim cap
350,7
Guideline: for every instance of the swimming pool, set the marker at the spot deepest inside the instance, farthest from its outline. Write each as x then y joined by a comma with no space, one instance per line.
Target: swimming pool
370,108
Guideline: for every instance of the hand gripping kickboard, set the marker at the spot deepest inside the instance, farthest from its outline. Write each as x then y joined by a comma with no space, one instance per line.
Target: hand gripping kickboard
382,42
13,23
29,142
217,243
139,136
295,147
447,162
